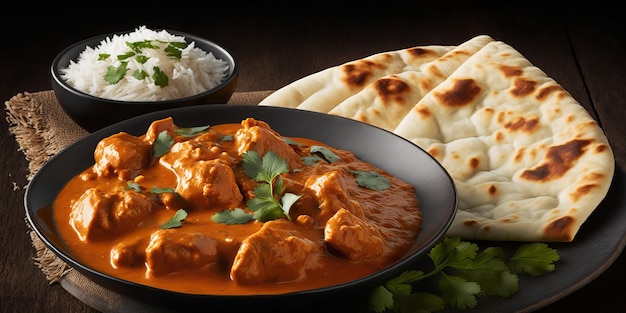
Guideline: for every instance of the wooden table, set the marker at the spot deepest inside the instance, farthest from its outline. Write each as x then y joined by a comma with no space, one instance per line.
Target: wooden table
581,47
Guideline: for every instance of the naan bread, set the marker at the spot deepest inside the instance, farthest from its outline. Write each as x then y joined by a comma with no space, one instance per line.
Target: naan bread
323,90
529,162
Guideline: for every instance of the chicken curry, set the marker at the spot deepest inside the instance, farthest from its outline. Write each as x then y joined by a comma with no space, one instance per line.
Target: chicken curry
233,209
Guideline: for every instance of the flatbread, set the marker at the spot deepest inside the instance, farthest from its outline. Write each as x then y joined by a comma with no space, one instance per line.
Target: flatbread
528,161
387,100
323,90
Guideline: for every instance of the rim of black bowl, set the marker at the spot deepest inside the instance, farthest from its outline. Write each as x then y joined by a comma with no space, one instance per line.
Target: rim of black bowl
94,41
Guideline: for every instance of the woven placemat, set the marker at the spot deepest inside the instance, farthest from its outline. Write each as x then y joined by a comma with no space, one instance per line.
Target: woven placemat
42,129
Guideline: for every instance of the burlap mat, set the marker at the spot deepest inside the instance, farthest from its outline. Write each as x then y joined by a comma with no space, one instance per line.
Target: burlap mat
42,129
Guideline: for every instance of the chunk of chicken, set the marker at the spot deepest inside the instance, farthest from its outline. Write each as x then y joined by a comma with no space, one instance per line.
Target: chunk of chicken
97,214
259,137
277,252
174,250
355,238
123,155
128,253
331,192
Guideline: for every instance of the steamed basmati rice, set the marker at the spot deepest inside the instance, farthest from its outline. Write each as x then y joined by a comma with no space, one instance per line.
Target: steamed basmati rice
196,70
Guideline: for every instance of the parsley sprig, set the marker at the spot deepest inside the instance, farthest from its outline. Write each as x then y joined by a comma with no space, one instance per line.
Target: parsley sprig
265,205
465,274
115,74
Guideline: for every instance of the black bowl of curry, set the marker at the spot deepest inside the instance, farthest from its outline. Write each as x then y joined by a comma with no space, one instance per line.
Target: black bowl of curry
240,207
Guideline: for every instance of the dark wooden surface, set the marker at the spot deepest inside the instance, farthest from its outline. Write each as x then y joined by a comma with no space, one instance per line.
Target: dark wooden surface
581,47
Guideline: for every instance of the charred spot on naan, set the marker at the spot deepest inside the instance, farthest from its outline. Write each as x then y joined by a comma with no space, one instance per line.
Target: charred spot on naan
520,123
511,71
560,229
544,92
523,87
392,88
359,73
558,160
463,92
422,53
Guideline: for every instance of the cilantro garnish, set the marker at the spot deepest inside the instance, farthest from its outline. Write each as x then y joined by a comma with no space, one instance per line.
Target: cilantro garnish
176,220
465,273
371,180
140,74
265,205
142,59
158,190
328,155
133,185
230,217
192,131
160,78
162,144
125,55
115,74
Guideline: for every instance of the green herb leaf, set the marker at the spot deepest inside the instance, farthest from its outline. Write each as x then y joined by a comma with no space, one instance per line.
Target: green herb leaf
534,259
291,142
158,190
115,74
142,59
162,144
230,217
133,185
125,55
160,78
287,201
330,156
371,180
140,74
266,171
103,56
466,273
227,138
311,159
263,169
138,45
192,131
176,220
172,51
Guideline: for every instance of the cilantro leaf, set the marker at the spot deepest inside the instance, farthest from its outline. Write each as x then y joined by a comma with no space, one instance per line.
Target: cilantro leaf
263,169
142,59
230,217
330,156
371,180
115,74
458,292
311,159
192,131
465,273
140,74
534,259
159,190
173,51
133,185
160,78
176,220
125,56
162,144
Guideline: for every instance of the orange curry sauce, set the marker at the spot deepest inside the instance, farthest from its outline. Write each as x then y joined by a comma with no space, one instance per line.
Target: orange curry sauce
338,231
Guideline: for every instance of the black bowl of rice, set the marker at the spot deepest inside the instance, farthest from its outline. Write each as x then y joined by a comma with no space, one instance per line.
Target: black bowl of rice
109,78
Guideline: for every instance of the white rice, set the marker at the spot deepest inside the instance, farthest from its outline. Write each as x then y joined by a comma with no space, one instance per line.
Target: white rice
195,72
